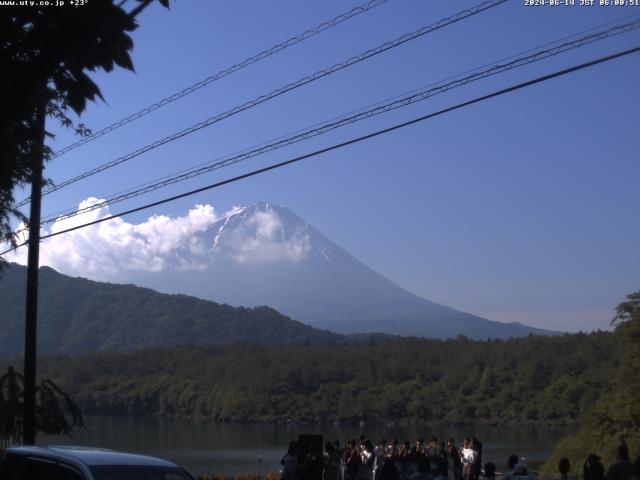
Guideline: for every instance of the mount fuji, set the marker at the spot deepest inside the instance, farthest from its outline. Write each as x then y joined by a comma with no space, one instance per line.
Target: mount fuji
265,254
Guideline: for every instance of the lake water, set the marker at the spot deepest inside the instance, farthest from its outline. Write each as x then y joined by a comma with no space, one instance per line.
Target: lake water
209,447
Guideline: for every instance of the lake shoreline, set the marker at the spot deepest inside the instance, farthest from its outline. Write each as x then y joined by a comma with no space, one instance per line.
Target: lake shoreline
404,422
209,447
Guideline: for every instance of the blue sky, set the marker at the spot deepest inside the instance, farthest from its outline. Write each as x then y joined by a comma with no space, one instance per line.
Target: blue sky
521,208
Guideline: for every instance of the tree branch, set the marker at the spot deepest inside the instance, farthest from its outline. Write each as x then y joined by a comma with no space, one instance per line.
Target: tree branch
144,4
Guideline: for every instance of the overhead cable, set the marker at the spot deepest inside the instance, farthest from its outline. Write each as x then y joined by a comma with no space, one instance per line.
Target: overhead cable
395,103
276,93
224,73
352,141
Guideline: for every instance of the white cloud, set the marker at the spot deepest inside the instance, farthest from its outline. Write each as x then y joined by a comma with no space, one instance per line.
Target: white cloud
263,238
114,248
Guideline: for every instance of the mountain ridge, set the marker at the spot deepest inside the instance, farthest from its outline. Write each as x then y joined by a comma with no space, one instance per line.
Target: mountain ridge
77,316
257,255
313,280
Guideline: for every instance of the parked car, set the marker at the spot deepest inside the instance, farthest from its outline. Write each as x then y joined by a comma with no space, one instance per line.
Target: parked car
84,463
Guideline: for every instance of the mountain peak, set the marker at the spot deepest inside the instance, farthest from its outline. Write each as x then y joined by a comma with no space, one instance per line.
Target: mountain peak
261,207
264,254
258,233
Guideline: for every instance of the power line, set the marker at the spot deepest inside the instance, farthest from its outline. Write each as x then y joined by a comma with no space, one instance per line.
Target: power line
275,93
352,141
396,103
223,73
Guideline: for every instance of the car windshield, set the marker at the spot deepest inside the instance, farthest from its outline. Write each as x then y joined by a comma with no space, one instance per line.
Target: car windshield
134,472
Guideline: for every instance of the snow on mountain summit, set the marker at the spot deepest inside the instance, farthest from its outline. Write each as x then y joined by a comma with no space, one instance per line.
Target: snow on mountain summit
260,233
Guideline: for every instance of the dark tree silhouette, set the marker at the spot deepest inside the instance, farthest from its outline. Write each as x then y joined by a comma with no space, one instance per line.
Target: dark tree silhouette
45,54
56,412
628,310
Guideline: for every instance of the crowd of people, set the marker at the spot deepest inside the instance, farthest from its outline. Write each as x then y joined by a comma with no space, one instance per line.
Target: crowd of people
622,469
359,459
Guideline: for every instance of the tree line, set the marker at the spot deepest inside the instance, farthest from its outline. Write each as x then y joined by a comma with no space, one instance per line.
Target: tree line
531,380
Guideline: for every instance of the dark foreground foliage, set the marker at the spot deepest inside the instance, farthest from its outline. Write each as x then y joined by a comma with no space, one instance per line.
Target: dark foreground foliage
533,380
45,54
615,419
55,414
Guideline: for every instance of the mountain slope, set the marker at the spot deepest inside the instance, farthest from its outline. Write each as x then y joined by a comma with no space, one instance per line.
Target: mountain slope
78,316
266,255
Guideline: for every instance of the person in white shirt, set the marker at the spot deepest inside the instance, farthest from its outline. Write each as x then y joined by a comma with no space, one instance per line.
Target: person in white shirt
365,472
379,455
469,459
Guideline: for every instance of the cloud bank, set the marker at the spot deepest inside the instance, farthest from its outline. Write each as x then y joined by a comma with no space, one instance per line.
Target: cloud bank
112,249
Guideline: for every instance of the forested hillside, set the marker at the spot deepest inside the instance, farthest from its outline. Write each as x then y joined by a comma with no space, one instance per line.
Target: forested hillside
532,380
78,316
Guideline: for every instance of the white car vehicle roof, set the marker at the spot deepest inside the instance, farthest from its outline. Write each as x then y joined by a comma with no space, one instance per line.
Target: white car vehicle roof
87,462
90,456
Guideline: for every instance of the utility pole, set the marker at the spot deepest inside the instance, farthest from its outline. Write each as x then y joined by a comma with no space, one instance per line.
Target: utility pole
31,324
